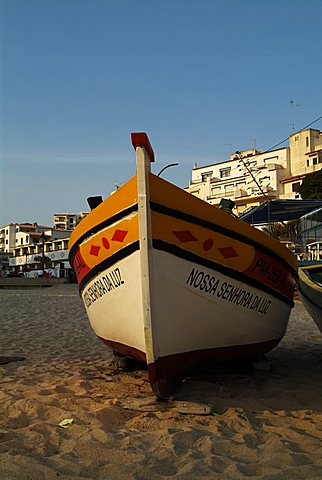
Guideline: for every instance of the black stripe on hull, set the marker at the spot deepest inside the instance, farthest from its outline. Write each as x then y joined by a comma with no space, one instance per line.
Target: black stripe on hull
186,255
119,255
100,226
217,228
192,257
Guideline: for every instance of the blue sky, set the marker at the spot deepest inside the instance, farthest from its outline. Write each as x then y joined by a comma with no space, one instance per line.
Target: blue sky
201,77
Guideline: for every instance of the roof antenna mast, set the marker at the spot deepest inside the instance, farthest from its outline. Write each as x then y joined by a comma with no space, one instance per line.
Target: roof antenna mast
293,106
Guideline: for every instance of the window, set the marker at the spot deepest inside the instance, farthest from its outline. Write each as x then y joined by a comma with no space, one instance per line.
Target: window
229,187
307,163
264,178
307,141
270,159
225,172
315,161
296,187
206,175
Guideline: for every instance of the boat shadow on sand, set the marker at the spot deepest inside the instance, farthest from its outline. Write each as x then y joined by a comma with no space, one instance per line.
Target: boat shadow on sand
284,381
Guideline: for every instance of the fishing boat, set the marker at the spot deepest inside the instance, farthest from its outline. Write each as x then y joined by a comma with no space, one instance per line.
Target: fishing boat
173,281
310,291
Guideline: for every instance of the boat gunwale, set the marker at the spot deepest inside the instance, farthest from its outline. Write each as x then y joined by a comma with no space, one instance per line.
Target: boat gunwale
307,280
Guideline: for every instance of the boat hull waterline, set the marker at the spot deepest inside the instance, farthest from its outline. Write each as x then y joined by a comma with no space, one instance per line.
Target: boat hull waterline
173,281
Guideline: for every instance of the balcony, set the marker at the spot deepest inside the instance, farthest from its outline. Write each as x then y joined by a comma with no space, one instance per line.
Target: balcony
268,189
238,193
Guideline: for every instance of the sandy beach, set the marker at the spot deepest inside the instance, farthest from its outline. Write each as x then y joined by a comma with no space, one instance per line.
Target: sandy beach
231,422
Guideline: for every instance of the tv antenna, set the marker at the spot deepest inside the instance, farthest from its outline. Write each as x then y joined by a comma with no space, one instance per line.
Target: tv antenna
293,107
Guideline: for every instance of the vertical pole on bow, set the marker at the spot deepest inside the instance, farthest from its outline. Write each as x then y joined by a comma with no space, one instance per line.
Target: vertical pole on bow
144,157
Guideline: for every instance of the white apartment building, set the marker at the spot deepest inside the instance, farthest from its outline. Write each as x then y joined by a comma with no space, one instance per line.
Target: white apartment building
48,249
28,244
18,234
68,221
8,238
251,177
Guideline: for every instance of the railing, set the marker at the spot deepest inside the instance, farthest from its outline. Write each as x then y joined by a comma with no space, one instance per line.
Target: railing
214,196
240,193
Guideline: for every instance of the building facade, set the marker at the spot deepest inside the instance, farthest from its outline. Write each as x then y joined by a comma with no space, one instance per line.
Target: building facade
68,221
251,177
29,248
306,157
47,253
16,234
8,238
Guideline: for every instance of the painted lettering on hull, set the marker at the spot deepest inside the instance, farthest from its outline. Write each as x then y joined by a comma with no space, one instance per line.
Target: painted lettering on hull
79,266
227,291
102,286
272,273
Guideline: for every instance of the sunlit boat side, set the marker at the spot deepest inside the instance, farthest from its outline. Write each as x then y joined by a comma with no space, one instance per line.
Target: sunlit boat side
176,282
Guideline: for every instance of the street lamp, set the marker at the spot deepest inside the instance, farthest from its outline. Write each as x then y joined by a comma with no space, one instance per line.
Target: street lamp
43,237
26,254
167,166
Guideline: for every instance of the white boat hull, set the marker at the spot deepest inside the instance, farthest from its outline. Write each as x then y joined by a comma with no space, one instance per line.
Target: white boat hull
176,282
199,314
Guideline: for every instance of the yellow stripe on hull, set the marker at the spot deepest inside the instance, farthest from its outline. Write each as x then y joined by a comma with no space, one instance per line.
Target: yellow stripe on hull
168,195
202,241
107,242
124,197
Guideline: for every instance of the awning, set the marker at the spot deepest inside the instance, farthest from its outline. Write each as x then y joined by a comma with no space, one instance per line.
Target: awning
279,211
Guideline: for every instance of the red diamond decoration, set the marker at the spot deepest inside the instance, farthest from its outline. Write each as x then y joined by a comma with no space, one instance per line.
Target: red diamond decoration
228,252
119,235
94,250
185,236
208,244
106,243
